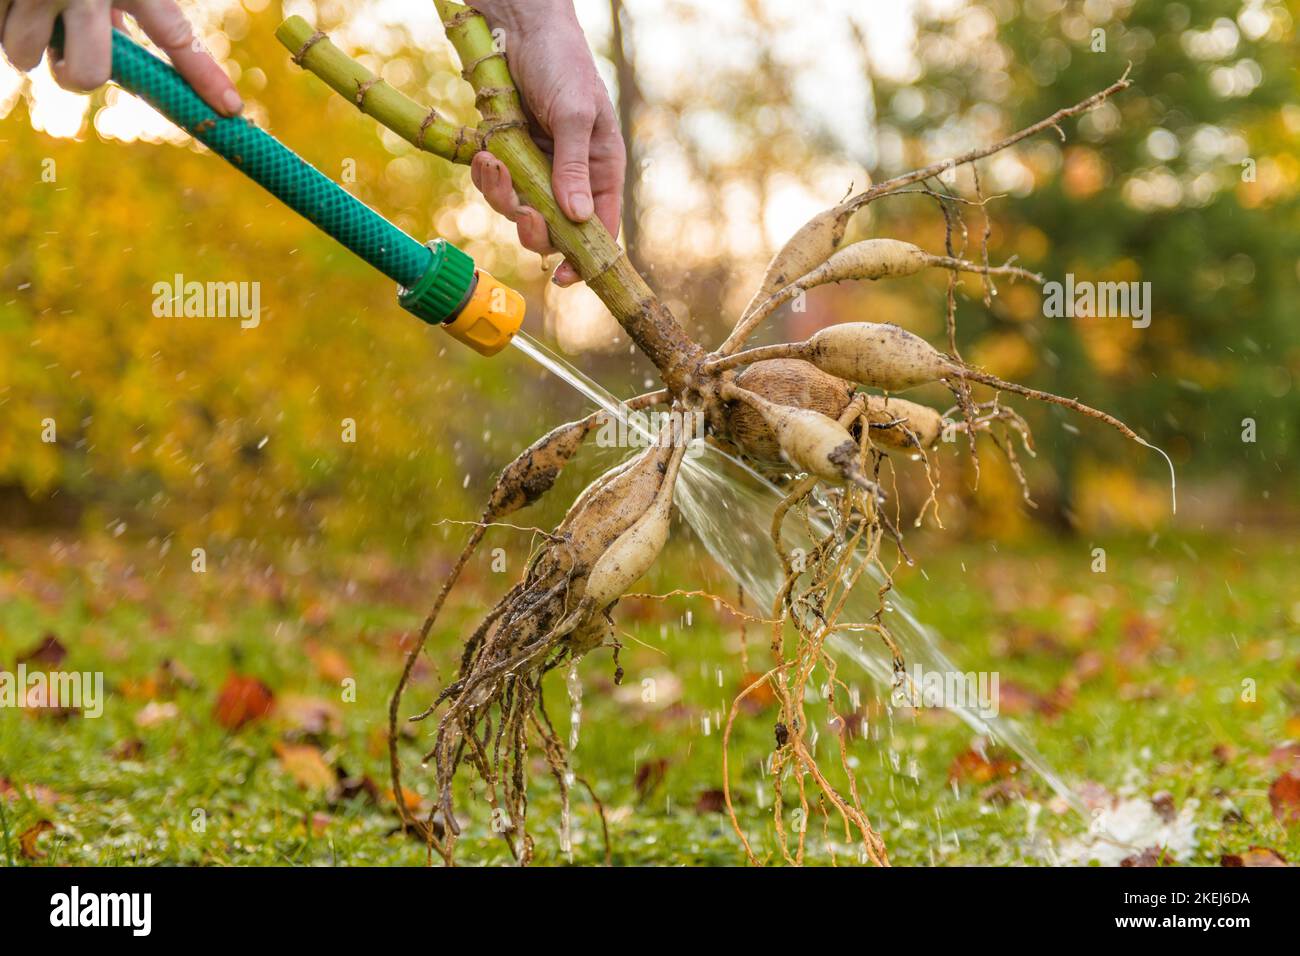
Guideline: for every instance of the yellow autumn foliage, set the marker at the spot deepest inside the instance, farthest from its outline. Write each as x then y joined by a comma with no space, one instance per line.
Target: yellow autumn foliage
227,431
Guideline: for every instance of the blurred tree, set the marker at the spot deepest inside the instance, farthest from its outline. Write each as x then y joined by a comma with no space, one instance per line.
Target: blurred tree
1187,181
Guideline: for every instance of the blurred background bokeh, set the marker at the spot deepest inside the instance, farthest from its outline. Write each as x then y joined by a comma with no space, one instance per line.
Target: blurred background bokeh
743,118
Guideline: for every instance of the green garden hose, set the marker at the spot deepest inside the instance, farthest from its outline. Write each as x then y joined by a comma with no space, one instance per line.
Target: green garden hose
439,282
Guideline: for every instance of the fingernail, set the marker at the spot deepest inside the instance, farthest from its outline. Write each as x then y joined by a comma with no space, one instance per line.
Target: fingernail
582,207
231,102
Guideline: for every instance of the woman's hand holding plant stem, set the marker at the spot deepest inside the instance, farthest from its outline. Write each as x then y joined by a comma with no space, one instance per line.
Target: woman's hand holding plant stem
572,116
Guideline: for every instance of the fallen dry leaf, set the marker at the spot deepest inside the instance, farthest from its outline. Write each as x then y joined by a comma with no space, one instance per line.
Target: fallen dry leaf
309,715
130,749
1284,797
649,774
48,651
155,713
711,801
1255,856
316,615
1163,804
163,682
1288,755
306,765
350,788
377,737
1151,856
34,792
975,767
242,699
330,663
1016,699
758,699
1223,753
1004,792
409,797
851,726
27,840
1088,665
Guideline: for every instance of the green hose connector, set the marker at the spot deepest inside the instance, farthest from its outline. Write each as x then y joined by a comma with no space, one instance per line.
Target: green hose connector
437,282
439,294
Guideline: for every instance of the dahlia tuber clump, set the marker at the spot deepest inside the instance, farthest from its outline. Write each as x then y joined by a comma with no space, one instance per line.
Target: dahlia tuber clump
819,415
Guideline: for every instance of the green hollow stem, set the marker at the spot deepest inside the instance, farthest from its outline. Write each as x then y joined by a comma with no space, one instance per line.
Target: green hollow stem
418,125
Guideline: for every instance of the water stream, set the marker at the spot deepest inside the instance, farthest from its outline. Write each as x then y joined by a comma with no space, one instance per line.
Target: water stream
729,505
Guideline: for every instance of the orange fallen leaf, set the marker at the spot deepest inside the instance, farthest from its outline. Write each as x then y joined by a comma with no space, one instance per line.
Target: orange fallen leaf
27,840
242,699
758,699
142,688
330,663
306,765
1255,856
409,797
316,615
1284,797
980,768
163,682
1185,685
309,715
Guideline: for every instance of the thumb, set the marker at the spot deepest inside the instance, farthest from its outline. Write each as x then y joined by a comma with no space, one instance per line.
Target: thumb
571,173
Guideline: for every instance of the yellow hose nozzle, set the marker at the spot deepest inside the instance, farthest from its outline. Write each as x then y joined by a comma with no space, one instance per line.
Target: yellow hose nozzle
490,317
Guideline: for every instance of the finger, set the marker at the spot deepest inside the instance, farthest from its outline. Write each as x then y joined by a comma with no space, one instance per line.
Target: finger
27,32
493,181
87,46
608,170
4,15
565,275
164,23
533,233
571,173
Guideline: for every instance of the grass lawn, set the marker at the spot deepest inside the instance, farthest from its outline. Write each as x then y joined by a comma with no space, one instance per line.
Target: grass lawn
1173,675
